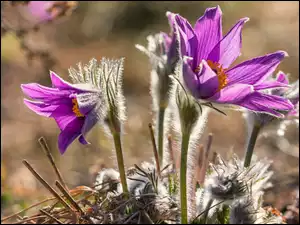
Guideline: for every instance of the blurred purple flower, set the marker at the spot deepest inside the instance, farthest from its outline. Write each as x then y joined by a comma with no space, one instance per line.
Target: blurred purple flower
45,11
39,9
75,107
207,55
291,93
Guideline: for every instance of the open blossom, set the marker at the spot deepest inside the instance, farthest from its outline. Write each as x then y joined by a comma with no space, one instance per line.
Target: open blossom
75,107
207,56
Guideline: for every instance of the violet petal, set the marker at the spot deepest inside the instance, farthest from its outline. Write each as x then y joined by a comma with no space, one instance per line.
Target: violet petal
69,134
188,39
282,77
228,49
208,30
83,141
232,94
269,84
208,81
39,92
190,78
41,108
266,103
255,70
61,84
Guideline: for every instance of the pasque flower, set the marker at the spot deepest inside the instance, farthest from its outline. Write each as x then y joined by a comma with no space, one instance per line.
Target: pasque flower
207,56
76,108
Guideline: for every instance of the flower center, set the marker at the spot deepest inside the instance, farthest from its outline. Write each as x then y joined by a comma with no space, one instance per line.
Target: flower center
220,72
75,108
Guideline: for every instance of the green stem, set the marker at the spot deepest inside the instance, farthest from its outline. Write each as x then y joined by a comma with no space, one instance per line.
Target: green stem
251,144
161,117
183,170
118,146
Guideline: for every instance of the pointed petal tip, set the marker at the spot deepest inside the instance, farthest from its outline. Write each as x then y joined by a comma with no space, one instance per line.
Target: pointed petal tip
83,140
62,150
245,19
217,9
285,54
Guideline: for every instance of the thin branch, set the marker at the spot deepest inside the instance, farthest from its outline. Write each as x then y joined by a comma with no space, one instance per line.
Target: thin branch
46,149
69,197
30,207
47,186
50,216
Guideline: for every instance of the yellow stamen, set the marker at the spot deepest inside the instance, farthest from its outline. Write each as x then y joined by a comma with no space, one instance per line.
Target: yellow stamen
220,72
75,108
222,77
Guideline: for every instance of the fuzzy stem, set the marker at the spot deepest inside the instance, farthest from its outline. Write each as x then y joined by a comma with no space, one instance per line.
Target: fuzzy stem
183,170
160,132
210,202
251,144
121,167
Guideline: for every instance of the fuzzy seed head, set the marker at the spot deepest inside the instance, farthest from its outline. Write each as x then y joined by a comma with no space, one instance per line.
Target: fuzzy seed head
243,211
230,181
107,180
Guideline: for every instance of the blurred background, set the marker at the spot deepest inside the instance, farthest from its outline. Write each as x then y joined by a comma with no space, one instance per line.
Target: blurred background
111,29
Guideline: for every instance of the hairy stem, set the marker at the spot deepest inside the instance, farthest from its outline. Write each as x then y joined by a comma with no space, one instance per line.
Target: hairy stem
251,144
183,170
209,204
160,133
121,167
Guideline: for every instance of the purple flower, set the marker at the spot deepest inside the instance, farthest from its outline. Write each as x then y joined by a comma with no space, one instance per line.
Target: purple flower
75,107
291,93
45,11
207,56
39,9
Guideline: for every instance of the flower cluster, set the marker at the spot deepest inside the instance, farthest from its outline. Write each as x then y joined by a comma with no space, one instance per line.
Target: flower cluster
191,71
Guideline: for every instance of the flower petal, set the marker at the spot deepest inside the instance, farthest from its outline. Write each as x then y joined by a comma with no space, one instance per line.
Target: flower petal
269,84
64,115
39,92
255,70
91,120
190,78
58,82
232,94
69,134
208,30
188,39
83,141
228,49
208,81
264,103
41,108
61,84
282,77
